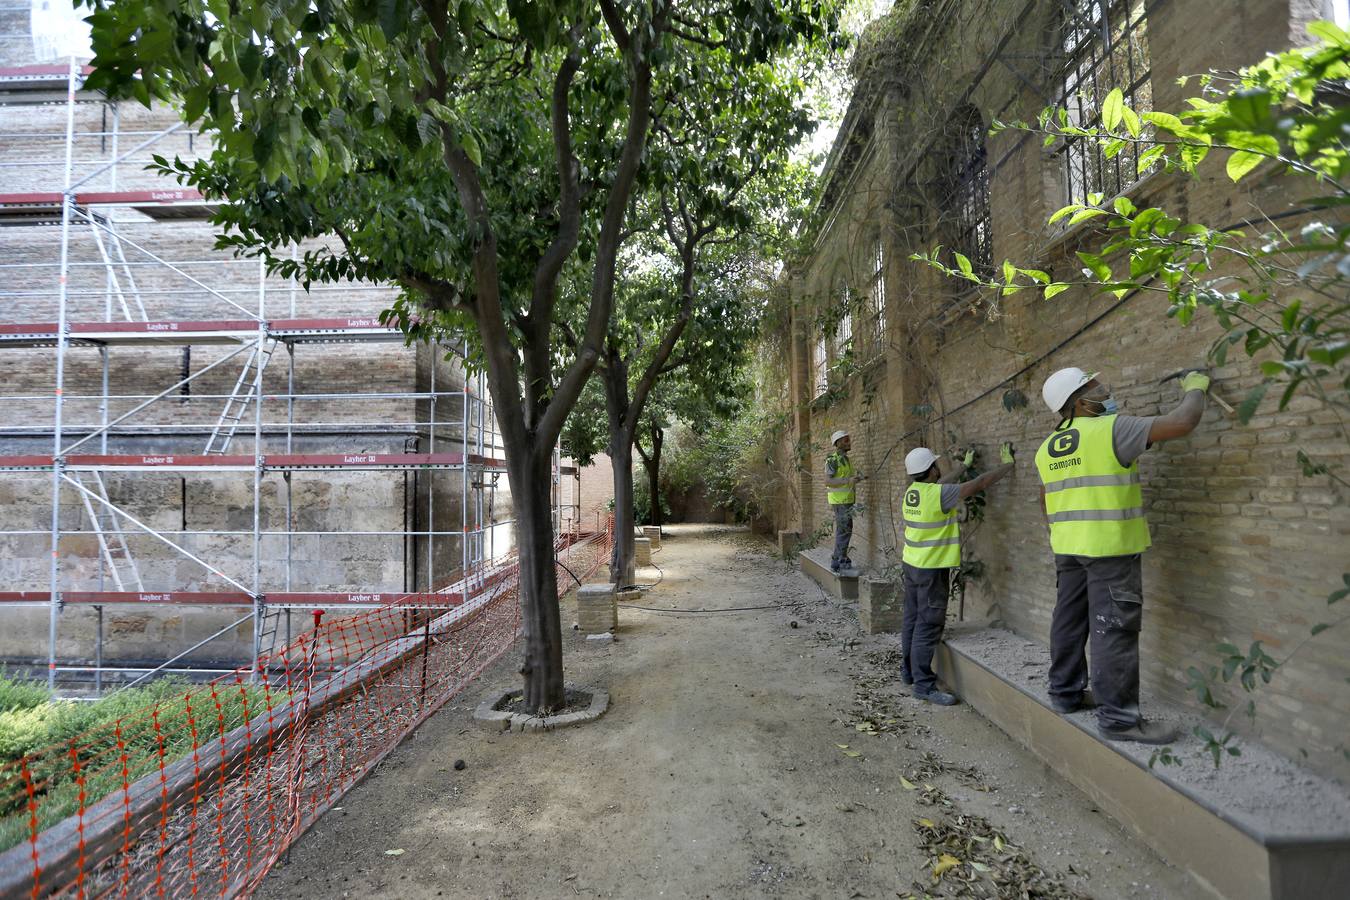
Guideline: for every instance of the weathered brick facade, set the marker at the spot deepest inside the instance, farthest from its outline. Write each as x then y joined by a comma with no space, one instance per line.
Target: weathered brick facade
1245,547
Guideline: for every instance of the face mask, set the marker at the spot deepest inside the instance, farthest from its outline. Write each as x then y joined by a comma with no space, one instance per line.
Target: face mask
1110,407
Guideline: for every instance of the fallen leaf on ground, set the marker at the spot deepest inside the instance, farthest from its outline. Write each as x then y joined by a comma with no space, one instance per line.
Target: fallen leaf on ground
398,852
945,861
907,784
854,754
927,823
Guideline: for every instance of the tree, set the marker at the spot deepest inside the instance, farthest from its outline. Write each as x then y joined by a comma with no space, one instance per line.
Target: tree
700,396
719,180
468,152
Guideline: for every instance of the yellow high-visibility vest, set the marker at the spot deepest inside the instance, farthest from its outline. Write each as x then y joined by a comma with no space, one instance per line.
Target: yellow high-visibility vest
932,537
1095,505
843,469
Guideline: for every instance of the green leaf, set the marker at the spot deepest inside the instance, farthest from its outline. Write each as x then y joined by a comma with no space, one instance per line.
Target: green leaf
1132,123
1111,109
1096,265
963,263
1009,272
1062,212
1085,214
1055,289
1124,206
1254,150
1148,158
469,144
1247,408
1166,120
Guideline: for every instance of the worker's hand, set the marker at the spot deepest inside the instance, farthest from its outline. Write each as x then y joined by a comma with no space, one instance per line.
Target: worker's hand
1005,452
1194,381
969,459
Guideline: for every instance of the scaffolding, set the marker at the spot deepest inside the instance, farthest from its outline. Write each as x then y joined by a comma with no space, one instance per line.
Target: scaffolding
131,298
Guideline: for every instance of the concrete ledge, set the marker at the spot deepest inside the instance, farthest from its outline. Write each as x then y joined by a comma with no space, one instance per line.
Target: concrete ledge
787,543
1227,856
489,715
816,564
642,551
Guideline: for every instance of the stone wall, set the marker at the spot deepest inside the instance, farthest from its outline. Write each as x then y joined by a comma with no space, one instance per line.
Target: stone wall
1245,547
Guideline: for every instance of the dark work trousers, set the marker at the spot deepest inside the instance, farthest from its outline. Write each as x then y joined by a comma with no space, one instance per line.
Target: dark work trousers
1107,593
925,617
843,533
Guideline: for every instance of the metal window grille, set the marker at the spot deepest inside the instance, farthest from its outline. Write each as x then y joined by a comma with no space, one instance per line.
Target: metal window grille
818,367
1105,45
878,292
966,195
844,333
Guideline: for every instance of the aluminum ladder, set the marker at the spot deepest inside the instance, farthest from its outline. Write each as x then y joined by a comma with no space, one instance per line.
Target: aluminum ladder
112,541
235,405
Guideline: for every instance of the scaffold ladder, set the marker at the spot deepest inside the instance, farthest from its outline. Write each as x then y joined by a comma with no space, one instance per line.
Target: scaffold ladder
114,282
268,626
235,405
112,541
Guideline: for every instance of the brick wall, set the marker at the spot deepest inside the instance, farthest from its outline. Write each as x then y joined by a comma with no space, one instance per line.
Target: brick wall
1245,548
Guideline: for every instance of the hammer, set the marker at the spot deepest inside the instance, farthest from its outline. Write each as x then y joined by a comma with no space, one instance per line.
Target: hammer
1181,373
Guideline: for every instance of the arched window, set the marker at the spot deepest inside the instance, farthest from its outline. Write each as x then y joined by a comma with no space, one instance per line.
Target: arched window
1104,44
877,297
965,190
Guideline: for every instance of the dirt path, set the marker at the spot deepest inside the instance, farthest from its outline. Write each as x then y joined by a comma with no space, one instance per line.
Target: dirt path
718,772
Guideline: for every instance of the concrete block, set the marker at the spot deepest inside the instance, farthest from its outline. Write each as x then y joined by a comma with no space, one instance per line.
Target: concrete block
597,608
787,542
816,564
880,605
642,551
653,534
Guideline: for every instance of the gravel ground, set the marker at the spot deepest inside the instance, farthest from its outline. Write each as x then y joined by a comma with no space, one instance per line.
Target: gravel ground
741,757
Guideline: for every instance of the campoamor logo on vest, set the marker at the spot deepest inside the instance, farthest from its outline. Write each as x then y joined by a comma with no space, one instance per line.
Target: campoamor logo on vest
1064,443
912,498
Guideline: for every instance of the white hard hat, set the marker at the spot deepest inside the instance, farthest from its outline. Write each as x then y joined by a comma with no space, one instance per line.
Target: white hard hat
1059,387
834,438
919,460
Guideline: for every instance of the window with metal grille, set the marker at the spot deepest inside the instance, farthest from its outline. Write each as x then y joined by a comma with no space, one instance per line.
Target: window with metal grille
844,333
819,367
877,293
965,195
1105,46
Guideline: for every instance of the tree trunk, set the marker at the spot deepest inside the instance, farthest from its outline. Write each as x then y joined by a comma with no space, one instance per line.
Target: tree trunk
531,488
653,465
615,377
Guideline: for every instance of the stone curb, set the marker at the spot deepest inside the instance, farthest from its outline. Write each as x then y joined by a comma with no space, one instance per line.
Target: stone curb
501,720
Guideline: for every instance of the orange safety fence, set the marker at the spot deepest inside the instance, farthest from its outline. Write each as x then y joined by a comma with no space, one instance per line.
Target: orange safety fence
201,792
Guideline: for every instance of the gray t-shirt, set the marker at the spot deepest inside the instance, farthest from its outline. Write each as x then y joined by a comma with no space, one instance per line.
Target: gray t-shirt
951,496
1129,438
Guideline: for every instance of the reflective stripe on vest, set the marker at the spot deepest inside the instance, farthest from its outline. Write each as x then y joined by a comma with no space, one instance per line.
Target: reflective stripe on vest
932,537
1094,504
842,469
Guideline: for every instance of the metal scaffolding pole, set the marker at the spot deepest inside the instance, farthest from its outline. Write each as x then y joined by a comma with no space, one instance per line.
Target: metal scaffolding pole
67,198
258,469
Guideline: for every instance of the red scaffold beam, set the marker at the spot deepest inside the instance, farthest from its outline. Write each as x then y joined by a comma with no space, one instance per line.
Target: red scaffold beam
275,461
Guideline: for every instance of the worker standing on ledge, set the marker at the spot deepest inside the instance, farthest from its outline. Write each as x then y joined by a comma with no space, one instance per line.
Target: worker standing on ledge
1091,496
840,481
932,550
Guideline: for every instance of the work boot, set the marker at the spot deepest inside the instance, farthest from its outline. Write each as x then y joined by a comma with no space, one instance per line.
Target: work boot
1066,705
940,698
1144,732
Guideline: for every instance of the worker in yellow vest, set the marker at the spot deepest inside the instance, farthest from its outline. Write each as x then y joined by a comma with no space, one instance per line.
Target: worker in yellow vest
932,550
840,486
1090,493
